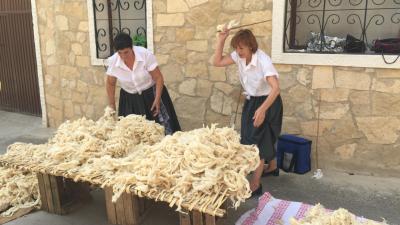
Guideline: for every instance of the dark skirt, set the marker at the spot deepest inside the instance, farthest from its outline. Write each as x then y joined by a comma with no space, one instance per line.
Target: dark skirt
266,135
140,104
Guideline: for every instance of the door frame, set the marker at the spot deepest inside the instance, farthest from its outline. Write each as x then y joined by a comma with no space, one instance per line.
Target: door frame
39,62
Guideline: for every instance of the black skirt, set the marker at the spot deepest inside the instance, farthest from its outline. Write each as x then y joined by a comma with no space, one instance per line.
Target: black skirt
266,135
140,104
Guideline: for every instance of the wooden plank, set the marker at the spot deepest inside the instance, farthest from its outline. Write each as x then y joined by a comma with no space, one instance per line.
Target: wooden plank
119,208
135,207
128,207
49,196
184,219
197,218
62,191
16,215
56,194
142,208
42,192
110,206
210,220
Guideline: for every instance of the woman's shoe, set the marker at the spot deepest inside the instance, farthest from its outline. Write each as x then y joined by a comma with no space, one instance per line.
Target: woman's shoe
274,173
257,192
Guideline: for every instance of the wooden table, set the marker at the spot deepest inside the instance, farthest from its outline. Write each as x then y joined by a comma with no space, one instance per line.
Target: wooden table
60,195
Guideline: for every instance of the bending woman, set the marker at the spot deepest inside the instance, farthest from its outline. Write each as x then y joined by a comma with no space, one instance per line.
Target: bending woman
142,84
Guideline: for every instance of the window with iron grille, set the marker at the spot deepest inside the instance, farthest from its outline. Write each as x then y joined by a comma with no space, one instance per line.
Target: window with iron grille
339,26
111,17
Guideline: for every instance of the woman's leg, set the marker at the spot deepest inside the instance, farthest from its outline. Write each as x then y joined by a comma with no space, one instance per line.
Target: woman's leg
271,166
256,179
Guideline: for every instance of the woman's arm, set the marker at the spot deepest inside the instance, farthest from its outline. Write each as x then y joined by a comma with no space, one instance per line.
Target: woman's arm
110,87
259,115
159,80
219,59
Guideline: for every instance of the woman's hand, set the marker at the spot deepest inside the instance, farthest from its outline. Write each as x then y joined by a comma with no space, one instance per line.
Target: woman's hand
259,116
222,35
155,108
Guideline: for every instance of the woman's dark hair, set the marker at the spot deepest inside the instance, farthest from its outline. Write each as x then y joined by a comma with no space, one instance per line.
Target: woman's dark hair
122,40
245,37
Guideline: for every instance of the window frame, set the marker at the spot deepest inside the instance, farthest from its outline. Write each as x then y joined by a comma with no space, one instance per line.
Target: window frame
354,60
92,34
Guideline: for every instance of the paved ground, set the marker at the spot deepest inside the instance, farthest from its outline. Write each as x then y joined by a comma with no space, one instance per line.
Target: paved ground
371,197
18,127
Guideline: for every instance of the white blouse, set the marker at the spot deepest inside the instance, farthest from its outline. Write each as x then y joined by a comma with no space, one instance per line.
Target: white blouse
138,79
253,76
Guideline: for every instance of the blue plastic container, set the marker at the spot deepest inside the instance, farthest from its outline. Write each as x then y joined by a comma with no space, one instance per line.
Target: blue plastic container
299,147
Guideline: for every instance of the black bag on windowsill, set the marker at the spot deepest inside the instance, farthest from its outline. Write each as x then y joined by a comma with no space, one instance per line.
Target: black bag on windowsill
389,46
354,45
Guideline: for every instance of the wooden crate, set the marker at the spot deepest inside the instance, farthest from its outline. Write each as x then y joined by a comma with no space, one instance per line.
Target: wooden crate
198,218
128,210
60,195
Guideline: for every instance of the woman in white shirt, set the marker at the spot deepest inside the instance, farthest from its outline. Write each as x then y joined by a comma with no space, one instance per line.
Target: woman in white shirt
142,84
262,111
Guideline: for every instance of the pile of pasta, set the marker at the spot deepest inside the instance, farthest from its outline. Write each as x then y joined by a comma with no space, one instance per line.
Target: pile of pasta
319,215
196,169
17,190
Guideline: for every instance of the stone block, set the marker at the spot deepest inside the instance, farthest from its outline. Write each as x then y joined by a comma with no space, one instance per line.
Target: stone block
198,45
174,6
335,95
346,151
204,88
322,77
170,20
188,87
197,70
385,104
380,130
353,80
172,73
217,73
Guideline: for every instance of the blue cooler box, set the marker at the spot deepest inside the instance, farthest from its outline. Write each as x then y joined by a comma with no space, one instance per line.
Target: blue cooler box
299,148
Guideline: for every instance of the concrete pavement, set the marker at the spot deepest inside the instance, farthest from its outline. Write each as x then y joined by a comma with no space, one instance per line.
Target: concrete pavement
371,197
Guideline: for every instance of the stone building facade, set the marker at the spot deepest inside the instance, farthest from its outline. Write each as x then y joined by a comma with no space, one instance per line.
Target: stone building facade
356,109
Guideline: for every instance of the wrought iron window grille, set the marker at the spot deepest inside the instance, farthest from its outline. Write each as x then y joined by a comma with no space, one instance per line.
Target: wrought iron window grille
366,20
114,16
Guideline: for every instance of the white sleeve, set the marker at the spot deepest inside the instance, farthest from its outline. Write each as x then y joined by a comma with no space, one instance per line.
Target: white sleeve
111,63
234,56
268,68
109,71
151,62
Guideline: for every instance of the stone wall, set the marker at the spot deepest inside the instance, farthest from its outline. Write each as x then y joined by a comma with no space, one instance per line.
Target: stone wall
73,87
358,108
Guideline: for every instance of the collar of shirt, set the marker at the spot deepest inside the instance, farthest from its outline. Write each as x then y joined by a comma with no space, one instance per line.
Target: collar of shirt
120,63
253,62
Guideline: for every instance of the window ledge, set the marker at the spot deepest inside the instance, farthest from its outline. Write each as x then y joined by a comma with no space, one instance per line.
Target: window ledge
353,60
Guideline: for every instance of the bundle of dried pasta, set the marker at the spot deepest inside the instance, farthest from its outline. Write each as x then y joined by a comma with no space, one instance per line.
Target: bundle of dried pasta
76,142
319,215
131,131
201,168
17,190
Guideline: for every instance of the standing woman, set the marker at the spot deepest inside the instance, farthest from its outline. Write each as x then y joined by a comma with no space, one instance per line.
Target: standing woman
142,84
262,111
